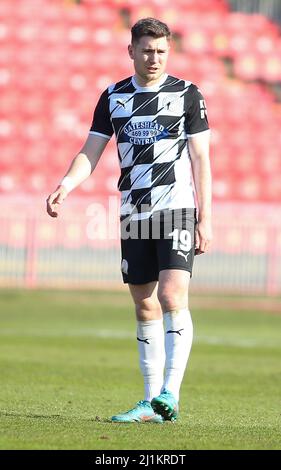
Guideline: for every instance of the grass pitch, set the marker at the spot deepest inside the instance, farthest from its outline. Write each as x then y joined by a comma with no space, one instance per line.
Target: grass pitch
69,361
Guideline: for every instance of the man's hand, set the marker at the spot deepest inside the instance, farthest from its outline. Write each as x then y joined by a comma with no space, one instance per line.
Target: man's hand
203,237
54,201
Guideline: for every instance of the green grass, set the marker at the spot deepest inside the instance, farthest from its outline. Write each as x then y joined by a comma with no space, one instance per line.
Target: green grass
68,361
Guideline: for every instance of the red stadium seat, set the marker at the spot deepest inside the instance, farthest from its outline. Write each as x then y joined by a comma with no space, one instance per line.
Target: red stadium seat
223,188
10,181
269,161
248,66
271,70
272,188
249,188
103,15
197,41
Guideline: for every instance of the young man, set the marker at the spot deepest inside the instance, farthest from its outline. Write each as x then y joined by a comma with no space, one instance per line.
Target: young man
162,135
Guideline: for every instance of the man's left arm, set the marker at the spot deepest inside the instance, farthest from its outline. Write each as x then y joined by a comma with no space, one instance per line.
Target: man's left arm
199,152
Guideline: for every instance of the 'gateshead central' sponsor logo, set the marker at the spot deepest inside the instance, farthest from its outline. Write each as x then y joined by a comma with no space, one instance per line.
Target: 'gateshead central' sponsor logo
144,132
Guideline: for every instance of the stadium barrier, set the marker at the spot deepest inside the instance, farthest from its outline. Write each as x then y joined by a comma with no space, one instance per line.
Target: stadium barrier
80,249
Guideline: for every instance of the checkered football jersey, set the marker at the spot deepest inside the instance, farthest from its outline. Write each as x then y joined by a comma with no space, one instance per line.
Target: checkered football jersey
152,126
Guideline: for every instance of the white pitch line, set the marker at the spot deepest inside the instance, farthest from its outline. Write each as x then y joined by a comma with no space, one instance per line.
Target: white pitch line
121,334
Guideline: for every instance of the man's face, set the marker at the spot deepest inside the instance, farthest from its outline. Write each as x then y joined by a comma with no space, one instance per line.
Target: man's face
150,57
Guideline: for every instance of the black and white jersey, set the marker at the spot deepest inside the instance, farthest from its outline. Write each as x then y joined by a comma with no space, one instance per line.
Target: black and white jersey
152,126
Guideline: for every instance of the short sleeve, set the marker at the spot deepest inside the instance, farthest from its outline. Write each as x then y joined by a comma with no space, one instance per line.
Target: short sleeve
196,113
101,124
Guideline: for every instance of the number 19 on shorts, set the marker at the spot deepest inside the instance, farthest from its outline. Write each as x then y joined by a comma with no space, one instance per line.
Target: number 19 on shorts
181,240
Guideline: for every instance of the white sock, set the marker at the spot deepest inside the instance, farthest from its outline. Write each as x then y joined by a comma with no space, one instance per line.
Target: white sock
150,336
178,342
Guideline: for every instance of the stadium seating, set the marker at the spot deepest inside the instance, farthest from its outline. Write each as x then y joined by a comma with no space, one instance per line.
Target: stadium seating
57,57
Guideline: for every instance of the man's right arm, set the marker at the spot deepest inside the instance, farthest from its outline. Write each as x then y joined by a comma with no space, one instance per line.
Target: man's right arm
81,167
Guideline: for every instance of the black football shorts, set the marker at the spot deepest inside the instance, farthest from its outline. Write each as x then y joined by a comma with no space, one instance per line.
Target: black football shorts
166,240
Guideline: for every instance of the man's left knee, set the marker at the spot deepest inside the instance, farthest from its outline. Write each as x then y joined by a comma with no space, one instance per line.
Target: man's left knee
172,300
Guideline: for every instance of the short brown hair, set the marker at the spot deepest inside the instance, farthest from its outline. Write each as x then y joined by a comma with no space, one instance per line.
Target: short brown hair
149,27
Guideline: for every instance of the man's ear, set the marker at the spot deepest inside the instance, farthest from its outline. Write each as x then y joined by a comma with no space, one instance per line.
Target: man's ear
130,50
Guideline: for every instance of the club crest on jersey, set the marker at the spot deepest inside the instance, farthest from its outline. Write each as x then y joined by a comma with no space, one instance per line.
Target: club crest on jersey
171,104
144,132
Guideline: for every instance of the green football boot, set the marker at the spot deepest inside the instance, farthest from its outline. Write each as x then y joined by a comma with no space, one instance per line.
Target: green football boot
141,413
166,405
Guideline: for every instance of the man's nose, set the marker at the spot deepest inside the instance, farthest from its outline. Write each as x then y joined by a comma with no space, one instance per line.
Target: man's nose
154,58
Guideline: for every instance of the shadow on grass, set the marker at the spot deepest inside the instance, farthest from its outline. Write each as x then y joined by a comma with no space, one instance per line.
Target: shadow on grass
11,414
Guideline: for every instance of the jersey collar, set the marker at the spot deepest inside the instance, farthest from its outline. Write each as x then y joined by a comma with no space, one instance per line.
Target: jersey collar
149,88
